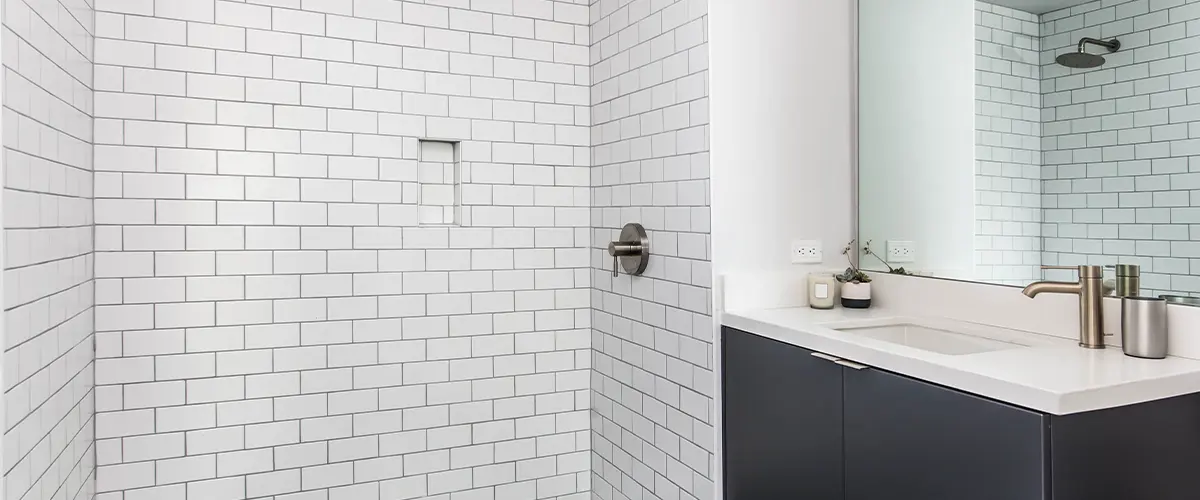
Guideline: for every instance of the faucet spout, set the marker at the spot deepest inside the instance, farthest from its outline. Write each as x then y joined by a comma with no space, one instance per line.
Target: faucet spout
1040,287
1090,289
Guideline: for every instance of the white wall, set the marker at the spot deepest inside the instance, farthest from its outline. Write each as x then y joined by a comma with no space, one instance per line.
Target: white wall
917,143
782,129
781,142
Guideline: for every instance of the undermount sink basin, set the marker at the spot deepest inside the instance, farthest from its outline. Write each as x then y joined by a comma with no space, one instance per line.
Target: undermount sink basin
929,338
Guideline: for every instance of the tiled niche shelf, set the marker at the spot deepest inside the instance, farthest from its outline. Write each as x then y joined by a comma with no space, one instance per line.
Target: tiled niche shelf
439,176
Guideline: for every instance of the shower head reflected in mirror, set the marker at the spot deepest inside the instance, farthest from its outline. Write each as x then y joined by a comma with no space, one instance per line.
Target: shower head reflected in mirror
1083,60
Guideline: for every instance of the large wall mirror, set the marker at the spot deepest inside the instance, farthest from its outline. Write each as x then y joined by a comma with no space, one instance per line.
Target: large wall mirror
998,137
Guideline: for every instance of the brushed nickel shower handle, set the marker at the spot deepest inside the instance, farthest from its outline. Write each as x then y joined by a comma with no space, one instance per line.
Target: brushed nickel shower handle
618,249
622,249
631,251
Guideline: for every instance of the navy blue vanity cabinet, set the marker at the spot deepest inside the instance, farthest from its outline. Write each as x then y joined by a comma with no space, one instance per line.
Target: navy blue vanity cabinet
783,421
799,426
905,438
1144,451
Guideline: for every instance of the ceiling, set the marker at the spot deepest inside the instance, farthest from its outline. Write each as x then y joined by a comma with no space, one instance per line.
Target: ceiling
1037,6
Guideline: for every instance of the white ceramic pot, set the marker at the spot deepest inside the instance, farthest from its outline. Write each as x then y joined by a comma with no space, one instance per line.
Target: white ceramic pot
856,295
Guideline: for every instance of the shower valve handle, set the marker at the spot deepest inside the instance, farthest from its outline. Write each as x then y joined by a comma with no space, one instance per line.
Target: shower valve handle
631,251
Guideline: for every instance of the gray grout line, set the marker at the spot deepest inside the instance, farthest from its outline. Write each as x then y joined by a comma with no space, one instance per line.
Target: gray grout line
589,247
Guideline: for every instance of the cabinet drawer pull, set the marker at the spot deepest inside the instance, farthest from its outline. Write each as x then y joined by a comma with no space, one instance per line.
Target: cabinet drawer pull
851,364
826,357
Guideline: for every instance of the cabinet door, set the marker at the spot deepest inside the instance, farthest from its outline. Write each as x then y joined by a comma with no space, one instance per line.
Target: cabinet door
1143,451
782,421
908,439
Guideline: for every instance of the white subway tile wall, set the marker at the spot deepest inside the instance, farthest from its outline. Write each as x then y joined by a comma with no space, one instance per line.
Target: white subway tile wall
1008,134
1116,148
1120,145
48,402
273,318
652,384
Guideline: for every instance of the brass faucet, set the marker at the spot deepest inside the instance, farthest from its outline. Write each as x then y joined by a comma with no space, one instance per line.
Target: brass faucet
1090,289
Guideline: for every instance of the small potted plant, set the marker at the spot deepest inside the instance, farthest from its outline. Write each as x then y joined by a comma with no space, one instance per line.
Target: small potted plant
856,285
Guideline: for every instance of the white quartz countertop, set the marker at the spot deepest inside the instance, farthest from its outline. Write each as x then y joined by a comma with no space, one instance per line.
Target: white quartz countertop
1047,374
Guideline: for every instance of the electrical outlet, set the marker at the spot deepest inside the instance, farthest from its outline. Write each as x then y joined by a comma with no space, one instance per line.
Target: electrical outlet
807,252
899,252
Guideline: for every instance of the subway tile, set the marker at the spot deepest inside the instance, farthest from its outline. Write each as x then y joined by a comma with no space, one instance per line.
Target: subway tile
283,143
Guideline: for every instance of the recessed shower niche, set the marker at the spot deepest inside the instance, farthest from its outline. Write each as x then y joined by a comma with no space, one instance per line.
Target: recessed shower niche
439,175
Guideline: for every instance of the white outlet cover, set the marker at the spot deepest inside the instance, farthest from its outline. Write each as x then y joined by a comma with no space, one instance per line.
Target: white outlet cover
899,252
807,252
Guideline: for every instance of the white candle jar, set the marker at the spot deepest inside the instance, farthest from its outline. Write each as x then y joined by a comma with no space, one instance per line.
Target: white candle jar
822,288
